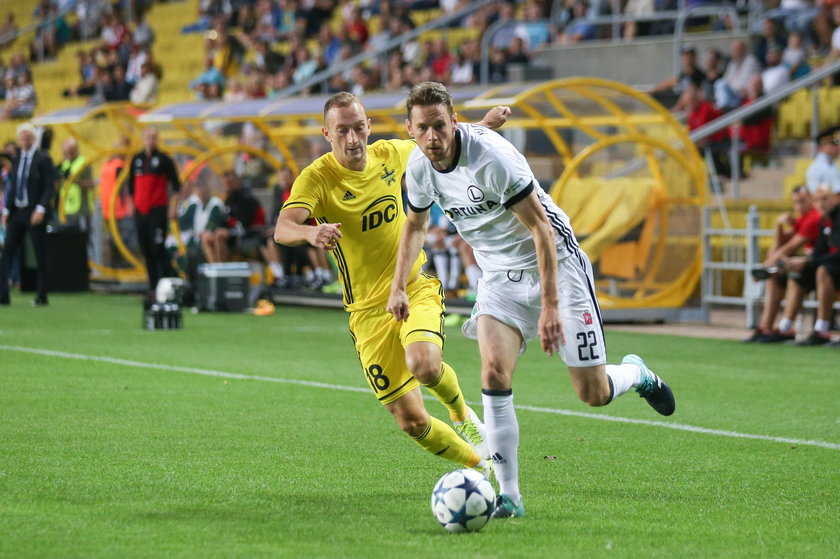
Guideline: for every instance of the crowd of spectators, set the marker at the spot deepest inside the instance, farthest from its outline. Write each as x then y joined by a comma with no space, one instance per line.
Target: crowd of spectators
253,50
122,67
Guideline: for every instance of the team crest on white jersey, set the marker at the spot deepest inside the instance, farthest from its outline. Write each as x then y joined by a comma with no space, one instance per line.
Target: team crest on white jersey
475,194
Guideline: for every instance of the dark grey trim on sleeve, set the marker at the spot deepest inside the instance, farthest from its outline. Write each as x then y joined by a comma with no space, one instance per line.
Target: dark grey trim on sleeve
519,196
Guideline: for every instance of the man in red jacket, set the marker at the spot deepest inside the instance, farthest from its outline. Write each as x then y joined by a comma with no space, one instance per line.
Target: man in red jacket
152,176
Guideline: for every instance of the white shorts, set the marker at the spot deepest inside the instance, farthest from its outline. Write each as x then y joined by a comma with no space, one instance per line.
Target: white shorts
514,298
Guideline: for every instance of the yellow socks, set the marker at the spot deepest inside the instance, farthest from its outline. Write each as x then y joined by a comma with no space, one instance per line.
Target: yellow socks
446,389
441,440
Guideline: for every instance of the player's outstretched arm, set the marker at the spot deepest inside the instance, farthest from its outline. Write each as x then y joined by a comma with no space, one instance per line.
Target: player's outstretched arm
531,213
291,230
411,242
495,117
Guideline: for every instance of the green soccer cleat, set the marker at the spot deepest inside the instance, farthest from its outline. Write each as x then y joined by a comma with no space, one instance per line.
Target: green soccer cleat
485,468
652,388
506,508
472,430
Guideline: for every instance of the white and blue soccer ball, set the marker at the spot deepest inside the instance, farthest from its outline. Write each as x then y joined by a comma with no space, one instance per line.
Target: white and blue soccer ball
463,501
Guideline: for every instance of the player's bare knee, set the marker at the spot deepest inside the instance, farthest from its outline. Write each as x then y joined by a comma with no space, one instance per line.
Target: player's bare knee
495,377
423,363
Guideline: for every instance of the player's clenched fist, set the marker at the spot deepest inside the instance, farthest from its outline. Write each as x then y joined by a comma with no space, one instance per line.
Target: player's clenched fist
398,305
325,235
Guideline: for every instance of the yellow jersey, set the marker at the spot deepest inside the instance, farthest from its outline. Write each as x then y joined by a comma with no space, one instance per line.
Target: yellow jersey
368,205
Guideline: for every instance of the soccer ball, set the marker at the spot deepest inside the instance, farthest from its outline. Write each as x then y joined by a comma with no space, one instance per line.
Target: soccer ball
463,501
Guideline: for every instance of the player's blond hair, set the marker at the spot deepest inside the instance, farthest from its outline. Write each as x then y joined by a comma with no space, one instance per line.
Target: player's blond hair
341,99
428,94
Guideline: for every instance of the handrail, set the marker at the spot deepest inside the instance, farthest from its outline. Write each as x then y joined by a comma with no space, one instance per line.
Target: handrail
616,18
679,26
325,75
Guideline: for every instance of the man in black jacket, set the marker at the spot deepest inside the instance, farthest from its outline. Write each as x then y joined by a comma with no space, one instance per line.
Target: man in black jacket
27,210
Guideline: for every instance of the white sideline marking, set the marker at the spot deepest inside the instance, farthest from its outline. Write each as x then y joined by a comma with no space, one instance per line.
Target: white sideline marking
238,376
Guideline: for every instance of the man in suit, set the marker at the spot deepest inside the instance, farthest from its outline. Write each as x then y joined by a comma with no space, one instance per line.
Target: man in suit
27,209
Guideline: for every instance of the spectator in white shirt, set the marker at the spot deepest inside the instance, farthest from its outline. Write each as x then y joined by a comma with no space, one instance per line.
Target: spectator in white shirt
823,169
776,74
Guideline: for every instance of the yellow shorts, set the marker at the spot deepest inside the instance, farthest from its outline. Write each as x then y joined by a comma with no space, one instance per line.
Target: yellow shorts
381,341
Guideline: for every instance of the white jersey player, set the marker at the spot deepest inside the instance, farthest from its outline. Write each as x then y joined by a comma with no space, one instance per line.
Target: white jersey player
537,281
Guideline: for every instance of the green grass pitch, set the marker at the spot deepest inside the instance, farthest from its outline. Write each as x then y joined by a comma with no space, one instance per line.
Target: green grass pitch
244,436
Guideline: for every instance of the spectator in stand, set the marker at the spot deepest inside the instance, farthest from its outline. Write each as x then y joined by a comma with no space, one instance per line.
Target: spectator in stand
503,35
116,36
145,91
823,169
20,99
819,270
579,29
440,60
534,30
120,90
357,29
87,69
702,111
227,49
771,38
736,79
8,31
639,9
143,35
268,20
267,60
246,19
516,52
152,177
712,72
690,74
89,14
756,131
136,59
794,57
775,74
18,66
794,233
465,67
834,53
235,92
496,68
210,75
242,233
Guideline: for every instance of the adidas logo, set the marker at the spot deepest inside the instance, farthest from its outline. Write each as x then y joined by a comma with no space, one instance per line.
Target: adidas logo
498,459
348,196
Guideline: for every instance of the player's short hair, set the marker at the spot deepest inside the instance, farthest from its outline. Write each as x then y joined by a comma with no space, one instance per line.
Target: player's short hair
427,94
799,189
341,99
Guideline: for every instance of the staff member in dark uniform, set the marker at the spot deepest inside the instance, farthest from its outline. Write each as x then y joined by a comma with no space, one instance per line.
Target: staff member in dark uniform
27,209
151,176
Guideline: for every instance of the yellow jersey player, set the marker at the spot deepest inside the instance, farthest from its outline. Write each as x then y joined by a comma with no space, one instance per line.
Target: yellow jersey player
354,193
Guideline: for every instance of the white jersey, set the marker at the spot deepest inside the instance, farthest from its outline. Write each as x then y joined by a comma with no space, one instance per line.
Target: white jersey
488,176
